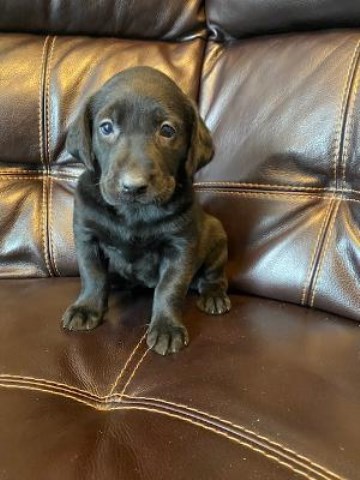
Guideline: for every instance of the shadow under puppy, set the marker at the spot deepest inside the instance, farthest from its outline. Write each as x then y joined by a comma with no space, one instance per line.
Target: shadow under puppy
142,140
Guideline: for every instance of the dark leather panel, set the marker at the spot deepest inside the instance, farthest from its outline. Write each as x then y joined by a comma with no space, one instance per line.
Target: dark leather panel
349,172
83,443
34,344
282,372
336,284
275,107
52,90
283,113
234,19
79,66
271,249
61,238
22,60
23,226
269,390
167,19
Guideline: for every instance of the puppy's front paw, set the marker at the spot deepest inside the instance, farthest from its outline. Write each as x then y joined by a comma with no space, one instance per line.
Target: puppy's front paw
164,337
80,317
214,303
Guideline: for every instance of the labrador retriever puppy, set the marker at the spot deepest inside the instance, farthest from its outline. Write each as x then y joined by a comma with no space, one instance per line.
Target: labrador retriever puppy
142,140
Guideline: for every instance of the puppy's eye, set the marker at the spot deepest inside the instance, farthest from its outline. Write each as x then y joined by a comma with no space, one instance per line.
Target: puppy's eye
167,131
106,128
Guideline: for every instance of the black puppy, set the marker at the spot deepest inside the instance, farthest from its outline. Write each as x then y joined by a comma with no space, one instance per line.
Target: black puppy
142,140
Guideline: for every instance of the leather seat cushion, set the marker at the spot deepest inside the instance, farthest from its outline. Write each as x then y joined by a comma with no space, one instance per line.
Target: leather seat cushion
268,391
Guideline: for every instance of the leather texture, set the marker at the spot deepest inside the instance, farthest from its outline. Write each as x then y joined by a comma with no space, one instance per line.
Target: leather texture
164,19
283,113
35,117
235,19
268,391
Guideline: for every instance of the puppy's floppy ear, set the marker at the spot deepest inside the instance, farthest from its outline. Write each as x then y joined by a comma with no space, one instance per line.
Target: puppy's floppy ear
201,147
78,140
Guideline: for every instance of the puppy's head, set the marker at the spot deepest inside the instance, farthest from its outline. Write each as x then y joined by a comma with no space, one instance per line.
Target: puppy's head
142,135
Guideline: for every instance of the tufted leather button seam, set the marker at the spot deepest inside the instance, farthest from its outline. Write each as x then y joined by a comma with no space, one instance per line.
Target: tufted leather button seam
237,433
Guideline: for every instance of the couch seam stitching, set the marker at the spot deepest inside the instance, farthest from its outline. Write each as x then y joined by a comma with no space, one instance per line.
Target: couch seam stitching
48,129
310,272
96,404
212,417
103,400
39,175
326,246
51,231
122,406
50,383
44,56
269,194
40,102
48,164
44,227
342,117
350,130
51,388
258,185
247,444
126,364
131,377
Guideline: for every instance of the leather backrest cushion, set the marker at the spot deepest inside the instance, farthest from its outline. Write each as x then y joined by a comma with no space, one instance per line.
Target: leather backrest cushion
284,114
44,83
234,19
163,19
284,179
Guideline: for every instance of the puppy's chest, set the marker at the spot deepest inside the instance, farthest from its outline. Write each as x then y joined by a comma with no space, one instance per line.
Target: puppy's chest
138,261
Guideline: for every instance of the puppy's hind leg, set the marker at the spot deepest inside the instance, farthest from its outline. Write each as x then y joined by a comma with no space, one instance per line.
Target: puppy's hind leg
212,282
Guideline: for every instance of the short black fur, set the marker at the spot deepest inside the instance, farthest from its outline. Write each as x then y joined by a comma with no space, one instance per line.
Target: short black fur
135,210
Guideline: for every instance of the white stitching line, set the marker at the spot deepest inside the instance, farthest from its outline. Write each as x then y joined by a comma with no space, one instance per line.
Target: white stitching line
51,231
216,418
344,97
221,183
118,378
95,401
268,194
233,438
349,132
326,246
313,256
40,113
96,405
44,225
133,373
48,166
22,174
48,75
50,387
48,383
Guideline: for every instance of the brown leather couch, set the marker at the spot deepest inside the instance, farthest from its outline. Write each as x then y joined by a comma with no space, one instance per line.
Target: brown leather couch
270,391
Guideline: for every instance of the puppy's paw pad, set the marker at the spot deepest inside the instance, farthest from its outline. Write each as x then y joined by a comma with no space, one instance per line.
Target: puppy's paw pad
214,304
165,339
81,318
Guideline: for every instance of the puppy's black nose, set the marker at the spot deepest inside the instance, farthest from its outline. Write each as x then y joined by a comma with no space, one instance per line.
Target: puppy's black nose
134,185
